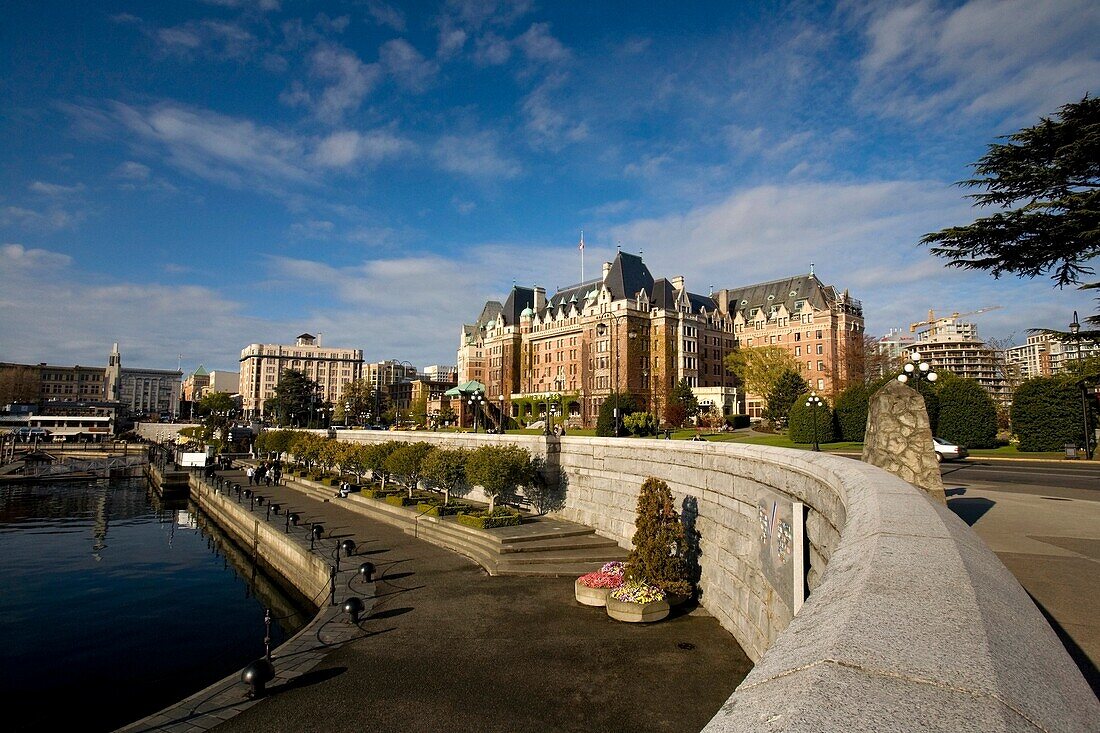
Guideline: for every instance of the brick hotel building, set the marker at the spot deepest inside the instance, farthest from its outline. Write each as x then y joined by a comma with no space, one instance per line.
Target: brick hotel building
640,335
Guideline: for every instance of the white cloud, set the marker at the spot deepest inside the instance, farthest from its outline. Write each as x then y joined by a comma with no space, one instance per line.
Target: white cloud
132,171
539,45
32,220
17,257
261,5
649,167
214,38
478,13
926,58
549,124
406,65
492,50
343,148
477,156
451,41
55,189
388,15
346,81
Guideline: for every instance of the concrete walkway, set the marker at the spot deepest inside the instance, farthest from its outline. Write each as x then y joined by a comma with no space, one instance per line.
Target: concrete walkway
448,647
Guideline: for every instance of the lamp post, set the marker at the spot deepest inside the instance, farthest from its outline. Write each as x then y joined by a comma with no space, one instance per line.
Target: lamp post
475,402
1075,331
347,409
500,412
814,402
916,368
601,331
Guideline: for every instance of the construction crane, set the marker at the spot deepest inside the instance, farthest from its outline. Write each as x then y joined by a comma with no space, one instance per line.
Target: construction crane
932,316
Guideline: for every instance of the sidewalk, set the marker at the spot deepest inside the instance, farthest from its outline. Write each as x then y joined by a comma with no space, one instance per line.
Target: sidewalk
448,647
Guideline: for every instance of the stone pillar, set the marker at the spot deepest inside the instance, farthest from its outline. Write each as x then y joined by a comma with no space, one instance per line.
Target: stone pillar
899,438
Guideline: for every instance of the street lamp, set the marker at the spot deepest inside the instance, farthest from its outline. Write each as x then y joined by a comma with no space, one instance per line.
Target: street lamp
601,331
1075,331
916,368
347,409
476,401
500,412
814,402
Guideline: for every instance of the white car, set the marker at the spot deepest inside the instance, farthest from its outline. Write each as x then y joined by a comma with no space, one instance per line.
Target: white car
947,451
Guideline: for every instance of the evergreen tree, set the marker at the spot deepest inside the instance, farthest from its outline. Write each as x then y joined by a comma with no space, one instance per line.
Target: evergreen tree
788,387
682,395
605,421
1051,173
851,412
802,418
1046,414
297,400
967,416
660,545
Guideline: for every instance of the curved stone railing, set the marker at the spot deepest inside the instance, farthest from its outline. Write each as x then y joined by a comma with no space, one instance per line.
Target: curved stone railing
912,623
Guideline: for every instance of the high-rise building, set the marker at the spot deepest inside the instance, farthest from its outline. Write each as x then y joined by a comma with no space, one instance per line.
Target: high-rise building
953,346
628,333
262,366
1045,355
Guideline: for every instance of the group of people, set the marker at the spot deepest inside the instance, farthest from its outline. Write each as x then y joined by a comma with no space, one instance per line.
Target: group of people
265,473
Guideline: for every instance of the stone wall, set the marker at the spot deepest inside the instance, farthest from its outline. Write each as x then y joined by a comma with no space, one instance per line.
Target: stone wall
911,623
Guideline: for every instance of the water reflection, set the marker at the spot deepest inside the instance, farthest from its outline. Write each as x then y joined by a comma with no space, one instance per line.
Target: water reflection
119,603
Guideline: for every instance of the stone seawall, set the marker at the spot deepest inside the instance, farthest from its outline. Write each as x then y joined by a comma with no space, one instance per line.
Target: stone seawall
912,623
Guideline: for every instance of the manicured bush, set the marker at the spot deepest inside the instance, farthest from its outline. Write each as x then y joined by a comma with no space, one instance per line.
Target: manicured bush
640,424
801,428
851,412
377,492
441,510
658,557
499,470
498,517
445,468
739,421
406,462
1046,414
401,500
968,416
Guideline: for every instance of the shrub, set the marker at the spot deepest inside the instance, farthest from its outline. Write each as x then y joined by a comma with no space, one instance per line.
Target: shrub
968,416
1046,414
375,459
499,470
784,395
851,412
499,517
445,468
658,557
376,492
400,500
738,421
441,510
407,461
605,422
802,422
640,424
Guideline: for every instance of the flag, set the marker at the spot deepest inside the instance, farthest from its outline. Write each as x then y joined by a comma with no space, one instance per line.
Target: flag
581,245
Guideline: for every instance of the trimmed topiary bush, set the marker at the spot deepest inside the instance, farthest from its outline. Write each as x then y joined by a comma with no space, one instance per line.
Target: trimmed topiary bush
968,416
801,429
658,557
851,412
1046,414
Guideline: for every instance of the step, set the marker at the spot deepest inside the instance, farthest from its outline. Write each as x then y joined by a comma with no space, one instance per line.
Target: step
541,528
566,543
598,555
556,570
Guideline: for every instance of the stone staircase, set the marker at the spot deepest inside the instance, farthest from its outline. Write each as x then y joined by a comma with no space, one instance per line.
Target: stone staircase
541,546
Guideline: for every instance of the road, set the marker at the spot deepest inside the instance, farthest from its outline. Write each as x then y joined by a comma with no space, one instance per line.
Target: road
1043,521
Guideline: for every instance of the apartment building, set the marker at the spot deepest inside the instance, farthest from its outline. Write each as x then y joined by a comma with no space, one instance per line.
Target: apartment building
1044,355
951,345
262,366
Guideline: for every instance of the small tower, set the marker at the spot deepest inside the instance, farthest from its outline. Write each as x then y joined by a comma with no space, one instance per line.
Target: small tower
112,386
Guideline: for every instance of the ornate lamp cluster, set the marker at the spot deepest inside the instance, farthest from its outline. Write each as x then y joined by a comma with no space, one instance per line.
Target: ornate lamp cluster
917,368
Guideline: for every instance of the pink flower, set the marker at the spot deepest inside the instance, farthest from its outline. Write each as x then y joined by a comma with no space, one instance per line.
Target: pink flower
600,579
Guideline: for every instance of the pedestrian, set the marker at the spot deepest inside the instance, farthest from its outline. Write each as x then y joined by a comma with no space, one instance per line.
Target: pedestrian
278,473
267,477
250,474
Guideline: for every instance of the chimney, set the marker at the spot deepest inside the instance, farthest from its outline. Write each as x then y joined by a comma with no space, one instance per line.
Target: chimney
678,282
606,269
540,298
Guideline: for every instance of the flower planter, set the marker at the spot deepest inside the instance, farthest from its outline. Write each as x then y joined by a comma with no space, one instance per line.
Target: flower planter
636,612
590,596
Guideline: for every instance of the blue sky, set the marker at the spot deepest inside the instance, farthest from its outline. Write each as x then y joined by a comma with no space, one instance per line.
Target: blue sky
190,177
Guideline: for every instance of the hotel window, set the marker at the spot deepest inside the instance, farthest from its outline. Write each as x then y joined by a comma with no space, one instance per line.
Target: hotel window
821,366
819,333
798,351
820,349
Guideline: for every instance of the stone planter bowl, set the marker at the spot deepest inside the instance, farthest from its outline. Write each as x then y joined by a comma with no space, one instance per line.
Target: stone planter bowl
590,596
636,612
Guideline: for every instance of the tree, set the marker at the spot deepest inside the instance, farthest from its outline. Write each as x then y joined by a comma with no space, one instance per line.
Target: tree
215,410
681,396
306,448
851,412
447,415
446,468
353,459
498,469
968,416
786,390
297,399
375,460
1050,173
356,398
1046,414
660,545
802,428
605,421
759,368
407,461
419,410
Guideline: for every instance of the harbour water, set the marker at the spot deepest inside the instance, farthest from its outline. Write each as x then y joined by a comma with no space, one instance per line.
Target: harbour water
114,605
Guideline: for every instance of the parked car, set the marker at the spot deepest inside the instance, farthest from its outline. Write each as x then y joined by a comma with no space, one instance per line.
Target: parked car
948,451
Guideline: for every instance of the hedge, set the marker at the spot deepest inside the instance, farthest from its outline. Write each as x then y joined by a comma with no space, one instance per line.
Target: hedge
500,517
801,425
851,412
401,500
739,421
968,416
377,493
1046,414
441,510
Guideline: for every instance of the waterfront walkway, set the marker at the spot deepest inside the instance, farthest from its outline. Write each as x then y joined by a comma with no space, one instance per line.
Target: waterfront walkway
447,647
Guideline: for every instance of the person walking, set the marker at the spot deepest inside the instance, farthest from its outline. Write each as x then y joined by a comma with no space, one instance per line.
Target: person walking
250,473
278,473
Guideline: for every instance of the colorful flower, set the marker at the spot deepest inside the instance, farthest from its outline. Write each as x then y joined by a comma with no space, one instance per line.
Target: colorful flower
613,568
634,592
600,579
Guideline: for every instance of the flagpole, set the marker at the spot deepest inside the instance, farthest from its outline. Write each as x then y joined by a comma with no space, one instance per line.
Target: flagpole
581,247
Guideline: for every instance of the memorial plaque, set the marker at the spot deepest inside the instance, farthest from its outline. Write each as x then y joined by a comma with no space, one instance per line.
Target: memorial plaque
780,546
